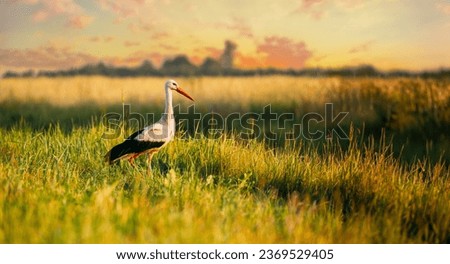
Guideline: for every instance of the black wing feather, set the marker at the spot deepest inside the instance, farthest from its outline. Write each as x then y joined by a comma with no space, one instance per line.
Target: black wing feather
135,134
130,146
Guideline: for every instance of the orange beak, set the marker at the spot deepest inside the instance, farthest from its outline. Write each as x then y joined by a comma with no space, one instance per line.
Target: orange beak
184,93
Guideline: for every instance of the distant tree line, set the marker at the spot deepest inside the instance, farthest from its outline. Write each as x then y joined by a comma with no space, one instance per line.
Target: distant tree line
181,66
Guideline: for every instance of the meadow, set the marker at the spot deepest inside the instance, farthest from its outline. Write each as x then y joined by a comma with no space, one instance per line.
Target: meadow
387,181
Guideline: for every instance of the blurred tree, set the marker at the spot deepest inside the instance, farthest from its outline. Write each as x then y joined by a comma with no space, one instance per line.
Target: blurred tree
29,73
178,66
11,74
227,58
146,69
211,67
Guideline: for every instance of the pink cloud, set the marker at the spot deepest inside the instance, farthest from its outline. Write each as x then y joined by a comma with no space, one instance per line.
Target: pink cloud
318,9
156,58
52,57
313,8
444,8
249,62
73,12
196,59
105,39
94,39
307,4
213,52
48,57
282,52
108,39
79,21
242,28
40,15
122,9
238,25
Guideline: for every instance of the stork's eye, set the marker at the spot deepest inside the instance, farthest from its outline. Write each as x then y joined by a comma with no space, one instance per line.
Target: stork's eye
174,84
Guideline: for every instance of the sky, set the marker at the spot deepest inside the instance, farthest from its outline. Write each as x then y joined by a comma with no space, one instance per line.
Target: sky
388,34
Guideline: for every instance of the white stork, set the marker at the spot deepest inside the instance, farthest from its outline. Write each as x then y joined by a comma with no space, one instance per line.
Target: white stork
152,138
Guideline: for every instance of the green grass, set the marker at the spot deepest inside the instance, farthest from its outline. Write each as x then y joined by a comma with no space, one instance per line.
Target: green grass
55,188
389,183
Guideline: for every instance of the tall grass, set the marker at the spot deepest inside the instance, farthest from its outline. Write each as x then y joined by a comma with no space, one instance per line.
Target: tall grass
55,187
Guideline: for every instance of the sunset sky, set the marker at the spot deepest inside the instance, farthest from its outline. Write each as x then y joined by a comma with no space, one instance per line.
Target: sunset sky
389,34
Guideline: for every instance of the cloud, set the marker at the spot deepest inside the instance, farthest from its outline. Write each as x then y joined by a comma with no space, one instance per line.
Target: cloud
159,35
362,47
282,52
196,59
46,57
318,9
308,4
444,8
238,25
52,57
108,38
95,39
122,9
104,39
277,52
79,21
312,8
131,43
140,26
40,15
246,61
74,13
168,47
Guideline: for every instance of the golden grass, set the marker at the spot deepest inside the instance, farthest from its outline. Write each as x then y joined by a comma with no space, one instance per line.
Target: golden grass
72,91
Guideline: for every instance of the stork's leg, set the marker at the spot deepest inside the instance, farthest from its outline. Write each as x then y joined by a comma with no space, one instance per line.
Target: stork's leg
131,160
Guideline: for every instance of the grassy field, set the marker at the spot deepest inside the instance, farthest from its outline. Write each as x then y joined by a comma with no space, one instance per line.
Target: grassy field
387,183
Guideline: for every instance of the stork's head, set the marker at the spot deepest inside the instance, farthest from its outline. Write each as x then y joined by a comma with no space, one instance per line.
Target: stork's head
173,85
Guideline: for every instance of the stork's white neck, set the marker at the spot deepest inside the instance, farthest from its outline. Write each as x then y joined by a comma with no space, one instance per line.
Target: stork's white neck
168,110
